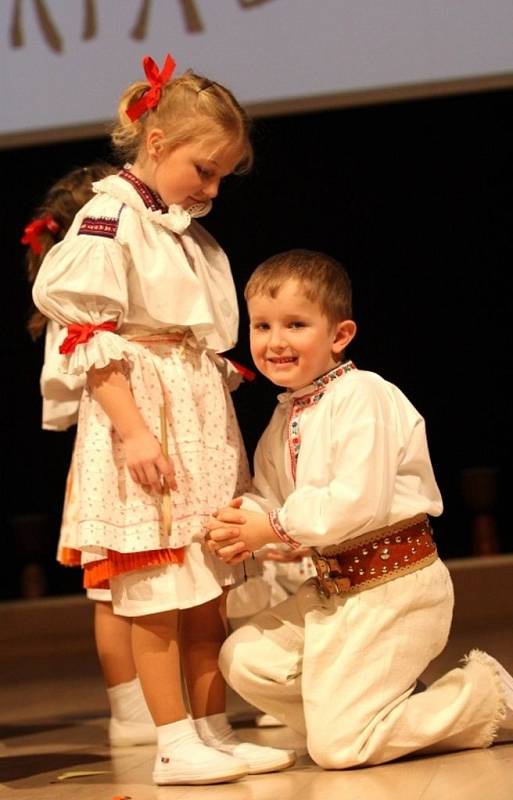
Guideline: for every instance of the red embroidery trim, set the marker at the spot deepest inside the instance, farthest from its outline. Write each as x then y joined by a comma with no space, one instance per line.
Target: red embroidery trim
280,531
99,226
80,334
157,80
34,229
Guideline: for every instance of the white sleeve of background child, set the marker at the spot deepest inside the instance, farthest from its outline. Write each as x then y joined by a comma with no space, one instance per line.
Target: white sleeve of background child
60,392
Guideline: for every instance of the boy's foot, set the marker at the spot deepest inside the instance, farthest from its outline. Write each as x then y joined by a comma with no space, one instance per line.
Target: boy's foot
216,732
199,764
506,681
126,733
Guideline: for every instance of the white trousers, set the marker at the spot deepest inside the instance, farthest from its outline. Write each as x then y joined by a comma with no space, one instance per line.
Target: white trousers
342,671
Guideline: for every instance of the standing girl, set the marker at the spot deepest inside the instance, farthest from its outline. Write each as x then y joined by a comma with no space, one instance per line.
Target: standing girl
148,300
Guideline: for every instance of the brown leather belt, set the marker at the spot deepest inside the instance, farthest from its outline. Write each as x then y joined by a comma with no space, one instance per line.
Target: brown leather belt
376,557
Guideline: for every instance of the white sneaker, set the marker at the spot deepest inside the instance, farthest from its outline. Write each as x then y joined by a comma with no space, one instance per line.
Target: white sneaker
257,757
216,732
199,765
125,733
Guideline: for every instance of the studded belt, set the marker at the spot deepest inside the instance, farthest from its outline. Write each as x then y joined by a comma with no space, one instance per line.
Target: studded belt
376,557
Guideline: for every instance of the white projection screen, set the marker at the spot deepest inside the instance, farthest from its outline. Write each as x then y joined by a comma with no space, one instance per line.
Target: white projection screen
64,63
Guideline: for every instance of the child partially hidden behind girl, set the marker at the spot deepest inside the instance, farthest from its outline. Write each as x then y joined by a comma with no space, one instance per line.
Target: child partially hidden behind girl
147,301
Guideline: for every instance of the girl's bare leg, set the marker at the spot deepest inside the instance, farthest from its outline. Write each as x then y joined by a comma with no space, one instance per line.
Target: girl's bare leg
157,660
202,632
114,645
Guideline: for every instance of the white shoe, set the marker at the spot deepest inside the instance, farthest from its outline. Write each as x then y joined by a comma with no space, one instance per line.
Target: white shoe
125,733
257,757
215,731
199,765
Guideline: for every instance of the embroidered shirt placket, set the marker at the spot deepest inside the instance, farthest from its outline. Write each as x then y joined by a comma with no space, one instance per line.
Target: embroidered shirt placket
297,407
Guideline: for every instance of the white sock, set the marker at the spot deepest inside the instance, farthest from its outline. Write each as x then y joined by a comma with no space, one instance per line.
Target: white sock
214,729
176,736
127,702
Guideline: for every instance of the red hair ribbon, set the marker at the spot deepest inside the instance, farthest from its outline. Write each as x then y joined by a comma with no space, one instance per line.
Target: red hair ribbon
33,231
80,334
246,373
157,80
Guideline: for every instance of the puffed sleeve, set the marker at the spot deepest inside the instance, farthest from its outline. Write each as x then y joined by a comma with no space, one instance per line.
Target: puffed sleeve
83,282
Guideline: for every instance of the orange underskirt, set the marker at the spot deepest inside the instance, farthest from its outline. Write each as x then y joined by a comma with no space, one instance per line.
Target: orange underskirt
69,557
97,574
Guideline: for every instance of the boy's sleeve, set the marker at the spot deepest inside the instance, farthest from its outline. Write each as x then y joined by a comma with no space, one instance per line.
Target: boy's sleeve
357,492
264,494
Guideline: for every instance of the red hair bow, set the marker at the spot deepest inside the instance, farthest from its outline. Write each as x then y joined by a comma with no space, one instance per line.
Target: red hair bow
157,80
80,334
33,231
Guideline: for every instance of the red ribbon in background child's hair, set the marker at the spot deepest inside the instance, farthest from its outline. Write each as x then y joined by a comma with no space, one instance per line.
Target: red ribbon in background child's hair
157,80
80,334
33,231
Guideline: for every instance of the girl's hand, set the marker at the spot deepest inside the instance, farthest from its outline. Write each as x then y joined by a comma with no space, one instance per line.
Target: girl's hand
146,462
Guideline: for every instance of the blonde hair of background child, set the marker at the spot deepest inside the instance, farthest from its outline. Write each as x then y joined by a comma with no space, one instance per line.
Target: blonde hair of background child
322,279
61,203
190,108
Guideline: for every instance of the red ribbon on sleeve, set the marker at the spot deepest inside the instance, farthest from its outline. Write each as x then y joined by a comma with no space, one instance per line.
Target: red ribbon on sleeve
33,231
80,334
246,373
157,80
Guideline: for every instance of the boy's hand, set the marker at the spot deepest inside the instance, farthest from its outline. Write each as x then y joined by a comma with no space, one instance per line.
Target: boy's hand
233,534
285,556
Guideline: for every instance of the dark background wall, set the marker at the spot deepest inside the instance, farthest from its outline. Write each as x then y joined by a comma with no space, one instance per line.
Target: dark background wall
415,199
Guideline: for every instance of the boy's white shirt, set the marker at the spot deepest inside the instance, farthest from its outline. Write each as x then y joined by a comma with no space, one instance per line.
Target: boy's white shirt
363,462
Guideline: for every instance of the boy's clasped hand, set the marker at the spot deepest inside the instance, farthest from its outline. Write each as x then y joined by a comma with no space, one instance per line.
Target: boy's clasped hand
233,535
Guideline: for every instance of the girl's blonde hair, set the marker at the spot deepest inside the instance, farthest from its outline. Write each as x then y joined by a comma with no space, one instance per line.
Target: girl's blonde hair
322,279
191,108
62,201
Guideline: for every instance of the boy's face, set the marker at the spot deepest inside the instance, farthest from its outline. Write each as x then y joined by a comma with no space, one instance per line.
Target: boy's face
292,341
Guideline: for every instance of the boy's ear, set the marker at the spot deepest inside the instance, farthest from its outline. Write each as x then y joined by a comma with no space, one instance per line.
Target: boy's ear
344,333
155,142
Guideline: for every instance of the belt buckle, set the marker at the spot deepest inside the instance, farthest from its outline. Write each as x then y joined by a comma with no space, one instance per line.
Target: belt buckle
329,581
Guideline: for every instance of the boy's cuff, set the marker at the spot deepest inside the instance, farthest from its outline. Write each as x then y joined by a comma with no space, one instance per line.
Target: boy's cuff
280,531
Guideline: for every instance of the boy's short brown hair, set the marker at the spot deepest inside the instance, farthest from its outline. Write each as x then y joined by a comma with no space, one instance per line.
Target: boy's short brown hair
323,280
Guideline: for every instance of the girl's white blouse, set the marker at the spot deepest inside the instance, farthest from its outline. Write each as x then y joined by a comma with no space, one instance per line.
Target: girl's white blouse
350,459
154,271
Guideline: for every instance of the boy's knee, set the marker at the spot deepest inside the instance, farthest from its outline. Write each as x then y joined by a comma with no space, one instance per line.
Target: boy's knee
334,752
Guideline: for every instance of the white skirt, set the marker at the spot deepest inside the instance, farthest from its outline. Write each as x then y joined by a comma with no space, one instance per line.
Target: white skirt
204,444
106,510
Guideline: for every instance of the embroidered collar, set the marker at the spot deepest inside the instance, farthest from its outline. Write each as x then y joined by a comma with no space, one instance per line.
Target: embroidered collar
150,199
131,191
314,391
301,399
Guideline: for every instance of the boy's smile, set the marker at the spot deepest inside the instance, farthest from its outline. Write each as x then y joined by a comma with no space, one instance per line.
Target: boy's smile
292,341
